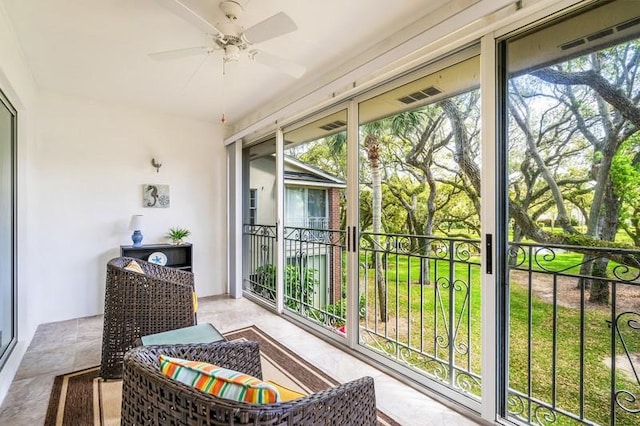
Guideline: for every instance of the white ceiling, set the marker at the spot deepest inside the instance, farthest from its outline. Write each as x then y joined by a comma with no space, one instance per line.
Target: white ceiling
98,49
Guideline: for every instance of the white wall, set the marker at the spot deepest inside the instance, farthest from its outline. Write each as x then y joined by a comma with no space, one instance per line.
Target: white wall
91,161
263,179
81,167
19,87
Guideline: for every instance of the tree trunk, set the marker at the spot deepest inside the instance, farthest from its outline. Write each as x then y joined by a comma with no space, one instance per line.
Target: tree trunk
428,228
599,288
609,226
372,146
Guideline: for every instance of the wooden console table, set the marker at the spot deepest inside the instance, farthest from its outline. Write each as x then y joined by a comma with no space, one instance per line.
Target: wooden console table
178,256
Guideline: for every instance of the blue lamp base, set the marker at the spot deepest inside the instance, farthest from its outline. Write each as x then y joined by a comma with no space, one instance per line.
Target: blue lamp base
136,237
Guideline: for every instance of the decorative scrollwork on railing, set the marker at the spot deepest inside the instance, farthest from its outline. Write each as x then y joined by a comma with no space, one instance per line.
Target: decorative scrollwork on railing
543,256
336,238
544,415
440,249
260,230
626,273
528,411
467,383
632,322
291,233
433,367
442,284
405,354
323,317
517,255
626,399
461,286
329,237
516,405
400,244
465,250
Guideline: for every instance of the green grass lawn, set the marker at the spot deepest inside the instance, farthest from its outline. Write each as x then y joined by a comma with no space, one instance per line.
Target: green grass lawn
418,314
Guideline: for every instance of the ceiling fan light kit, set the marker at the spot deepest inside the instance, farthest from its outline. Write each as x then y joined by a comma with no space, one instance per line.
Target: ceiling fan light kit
231,53
232,38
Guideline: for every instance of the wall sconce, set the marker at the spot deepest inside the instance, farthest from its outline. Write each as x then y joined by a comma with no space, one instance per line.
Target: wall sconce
156,164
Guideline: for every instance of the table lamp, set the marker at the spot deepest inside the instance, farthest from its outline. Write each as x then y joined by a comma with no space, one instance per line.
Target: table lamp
135,225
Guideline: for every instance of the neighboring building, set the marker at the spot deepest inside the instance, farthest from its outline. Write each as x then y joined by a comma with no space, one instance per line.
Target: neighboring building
311,219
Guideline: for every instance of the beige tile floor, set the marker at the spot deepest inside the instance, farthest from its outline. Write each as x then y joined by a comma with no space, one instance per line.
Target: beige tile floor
74,344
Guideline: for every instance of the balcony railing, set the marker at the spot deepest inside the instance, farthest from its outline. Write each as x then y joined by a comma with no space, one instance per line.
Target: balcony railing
574,359
429,288
570,360
308,223
260,259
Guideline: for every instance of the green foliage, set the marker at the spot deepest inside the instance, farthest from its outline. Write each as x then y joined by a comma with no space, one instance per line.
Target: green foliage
177,234
300,284
338,310
625,177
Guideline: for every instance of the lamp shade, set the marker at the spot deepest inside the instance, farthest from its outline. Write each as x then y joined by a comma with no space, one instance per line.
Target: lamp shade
136,222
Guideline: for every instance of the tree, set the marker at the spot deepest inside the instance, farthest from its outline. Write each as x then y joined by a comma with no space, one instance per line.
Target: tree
597,95
372,147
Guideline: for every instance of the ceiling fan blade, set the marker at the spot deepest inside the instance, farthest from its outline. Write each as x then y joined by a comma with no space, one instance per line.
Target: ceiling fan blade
185,12
278,63
180,53
275,26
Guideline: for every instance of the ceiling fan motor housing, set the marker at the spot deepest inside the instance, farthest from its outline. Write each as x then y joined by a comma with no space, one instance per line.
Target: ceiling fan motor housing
233,8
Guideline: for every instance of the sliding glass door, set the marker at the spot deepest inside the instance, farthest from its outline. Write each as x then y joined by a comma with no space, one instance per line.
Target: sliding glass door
530,311
419,251
259,221
572,96
8,296
315,174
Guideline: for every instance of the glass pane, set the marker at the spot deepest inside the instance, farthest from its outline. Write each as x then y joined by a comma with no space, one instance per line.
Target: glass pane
573,103
315,180
420,224
295,206
7,289
260,221
317,209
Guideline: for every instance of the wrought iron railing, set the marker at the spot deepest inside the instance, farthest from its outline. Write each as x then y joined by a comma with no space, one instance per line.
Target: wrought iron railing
314,271
308,223
315,275
421,297
570,360
259,277
574,335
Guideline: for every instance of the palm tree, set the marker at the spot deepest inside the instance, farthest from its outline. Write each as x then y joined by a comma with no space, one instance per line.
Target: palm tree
372,147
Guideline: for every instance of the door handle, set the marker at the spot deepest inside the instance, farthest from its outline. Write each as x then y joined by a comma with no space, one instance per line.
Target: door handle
489,251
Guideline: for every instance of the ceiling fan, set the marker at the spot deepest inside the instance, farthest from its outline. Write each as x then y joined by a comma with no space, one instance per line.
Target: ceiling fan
231,38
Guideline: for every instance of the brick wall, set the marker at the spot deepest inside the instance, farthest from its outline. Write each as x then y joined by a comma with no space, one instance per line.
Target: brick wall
335,252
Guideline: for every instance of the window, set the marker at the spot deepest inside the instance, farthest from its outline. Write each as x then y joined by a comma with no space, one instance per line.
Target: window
253,206
306,208
8,319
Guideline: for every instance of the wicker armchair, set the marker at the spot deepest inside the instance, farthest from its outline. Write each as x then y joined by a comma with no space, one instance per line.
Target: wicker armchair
136,305
151,398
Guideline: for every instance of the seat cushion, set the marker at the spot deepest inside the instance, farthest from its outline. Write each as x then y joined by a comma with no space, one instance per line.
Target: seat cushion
286,394
218,381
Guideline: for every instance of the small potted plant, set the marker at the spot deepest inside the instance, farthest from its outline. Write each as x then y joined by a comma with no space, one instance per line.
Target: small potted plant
177,235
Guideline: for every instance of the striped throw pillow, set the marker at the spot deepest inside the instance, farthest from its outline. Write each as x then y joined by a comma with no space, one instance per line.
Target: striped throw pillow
218,381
